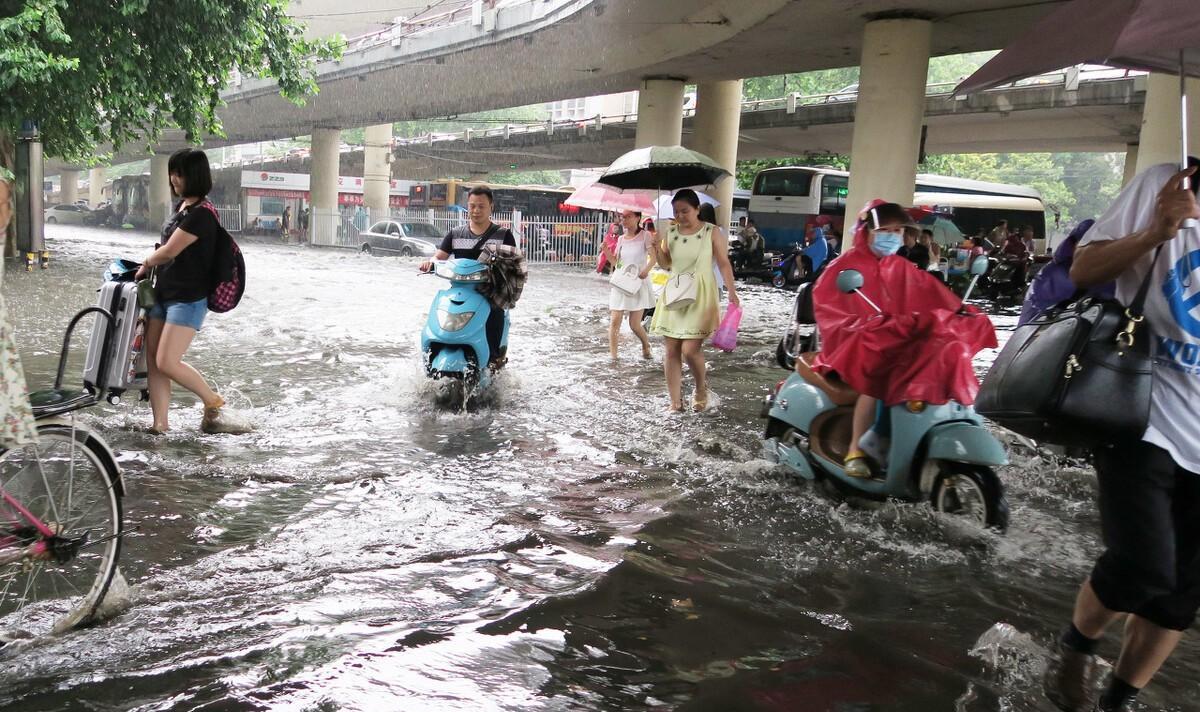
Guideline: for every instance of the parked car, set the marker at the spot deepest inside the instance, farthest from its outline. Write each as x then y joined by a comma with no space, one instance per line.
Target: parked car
396,237
846,93
66,214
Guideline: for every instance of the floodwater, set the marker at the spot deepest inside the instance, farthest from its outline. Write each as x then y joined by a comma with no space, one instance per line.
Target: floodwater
567,547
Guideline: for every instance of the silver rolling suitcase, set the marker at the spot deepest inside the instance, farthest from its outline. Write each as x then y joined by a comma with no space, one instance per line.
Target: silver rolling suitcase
116,357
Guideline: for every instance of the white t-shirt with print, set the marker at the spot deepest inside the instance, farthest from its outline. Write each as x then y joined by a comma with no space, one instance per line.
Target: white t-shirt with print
1172,313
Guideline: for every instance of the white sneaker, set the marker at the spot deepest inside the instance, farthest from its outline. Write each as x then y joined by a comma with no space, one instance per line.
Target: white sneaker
876,446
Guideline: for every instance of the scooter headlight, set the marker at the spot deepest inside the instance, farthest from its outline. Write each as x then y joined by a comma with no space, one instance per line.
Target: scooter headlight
454,322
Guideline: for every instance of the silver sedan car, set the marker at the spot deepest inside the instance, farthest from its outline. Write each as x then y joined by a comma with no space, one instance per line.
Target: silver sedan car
400,237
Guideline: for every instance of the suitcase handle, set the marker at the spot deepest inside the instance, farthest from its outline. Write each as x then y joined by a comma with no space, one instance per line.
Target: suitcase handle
66,347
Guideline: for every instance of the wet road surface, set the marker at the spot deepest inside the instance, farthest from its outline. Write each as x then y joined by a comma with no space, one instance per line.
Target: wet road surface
567,547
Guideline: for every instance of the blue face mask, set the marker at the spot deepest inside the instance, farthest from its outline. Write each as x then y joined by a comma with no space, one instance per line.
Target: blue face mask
886,243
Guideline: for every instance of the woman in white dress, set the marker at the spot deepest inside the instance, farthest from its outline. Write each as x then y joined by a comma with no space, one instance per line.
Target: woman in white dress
634,247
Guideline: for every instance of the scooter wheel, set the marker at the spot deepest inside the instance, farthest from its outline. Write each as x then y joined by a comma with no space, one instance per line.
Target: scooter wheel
971,492
778,281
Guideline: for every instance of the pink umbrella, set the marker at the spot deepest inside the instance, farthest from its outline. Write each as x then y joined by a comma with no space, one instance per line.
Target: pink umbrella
1151,35
598,196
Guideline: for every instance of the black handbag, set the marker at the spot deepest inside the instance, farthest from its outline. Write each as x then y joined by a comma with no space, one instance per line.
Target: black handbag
1078,374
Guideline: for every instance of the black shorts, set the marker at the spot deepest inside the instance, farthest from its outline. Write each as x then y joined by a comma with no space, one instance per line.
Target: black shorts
1150,518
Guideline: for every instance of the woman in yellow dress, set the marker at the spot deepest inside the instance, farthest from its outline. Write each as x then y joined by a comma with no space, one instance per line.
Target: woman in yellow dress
690,246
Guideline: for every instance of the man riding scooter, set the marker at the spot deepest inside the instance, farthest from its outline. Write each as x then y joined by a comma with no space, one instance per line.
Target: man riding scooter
468,242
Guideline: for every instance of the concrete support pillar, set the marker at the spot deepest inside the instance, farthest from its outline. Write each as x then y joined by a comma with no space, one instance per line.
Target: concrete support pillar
69,190
160,191
660,113
377,169
323,185
96,178
887,120
1160,138
718,119
1131,159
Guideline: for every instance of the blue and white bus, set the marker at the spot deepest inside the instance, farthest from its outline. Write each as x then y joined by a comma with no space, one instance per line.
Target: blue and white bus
785,201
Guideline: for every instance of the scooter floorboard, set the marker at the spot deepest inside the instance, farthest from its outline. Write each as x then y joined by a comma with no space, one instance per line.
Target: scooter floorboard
830,434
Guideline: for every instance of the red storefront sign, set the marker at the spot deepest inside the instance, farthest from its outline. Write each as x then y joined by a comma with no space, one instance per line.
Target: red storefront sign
396,201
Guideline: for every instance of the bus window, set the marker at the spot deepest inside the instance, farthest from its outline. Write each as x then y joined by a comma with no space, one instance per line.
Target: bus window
792,184
833,194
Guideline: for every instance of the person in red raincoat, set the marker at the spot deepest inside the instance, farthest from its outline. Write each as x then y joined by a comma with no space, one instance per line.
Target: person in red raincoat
918,349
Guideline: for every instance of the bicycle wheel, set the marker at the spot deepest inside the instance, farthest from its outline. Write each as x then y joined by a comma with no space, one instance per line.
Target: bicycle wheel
71,483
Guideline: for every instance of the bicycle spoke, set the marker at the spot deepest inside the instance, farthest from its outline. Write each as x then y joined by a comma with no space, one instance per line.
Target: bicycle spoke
49,494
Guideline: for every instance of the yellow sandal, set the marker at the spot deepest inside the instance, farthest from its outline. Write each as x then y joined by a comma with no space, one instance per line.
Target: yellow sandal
857,464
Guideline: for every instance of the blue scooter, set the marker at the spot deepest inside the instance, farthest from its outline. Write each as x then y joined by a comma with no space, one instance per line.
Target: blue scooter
454,341
939,453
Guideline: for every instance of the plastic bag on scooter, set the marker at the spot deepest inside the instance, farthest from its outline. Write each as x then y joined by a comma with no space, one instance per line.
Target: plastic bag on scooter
725,337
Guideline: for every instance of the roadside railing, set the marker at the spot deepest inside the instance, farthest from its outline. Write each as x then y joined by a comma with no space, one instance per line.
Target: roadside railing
230,217
790,103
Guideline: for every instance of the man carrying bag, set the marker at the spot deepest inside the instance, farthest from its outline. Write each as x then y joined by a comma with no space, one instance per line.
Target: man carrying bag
1149,487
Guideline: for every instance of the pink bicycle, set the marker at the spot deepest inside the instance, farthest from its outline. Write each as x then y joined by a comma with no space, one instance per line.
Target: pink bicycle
60,510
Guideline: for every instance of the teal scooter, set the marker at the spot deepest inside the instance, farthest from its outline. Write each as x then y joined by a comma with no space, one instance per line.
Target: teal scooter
942,454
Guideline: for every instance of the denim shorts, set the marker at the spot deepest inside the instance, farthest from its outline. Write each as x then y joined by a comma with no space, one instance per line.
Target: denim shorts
189,314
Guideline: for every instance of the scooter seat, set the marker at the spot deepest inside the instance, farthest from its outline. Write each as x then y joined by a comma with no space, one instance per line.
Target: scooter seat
831,385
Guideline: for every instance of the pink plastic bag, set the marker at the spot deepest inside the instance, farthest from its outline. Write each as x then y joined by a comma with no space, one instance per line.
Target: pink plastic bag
726,336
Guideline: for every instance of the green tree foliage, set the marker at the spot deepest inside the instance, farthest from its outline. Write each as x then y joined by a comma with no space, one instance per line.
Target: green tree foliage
92,72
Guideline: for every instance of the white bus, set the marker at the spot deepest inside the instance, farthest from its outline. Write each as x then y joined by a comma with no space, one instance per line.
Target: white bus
785,201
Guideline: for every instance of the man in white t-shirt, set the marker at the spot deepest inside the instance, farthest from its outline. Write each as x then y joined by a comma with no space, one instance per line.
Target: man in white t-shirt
1150,488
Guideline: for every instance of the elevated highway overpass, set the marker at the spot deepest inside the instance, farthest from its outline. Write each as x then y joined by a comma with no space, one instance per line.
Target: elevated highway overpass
1049,115
1102,115
543,50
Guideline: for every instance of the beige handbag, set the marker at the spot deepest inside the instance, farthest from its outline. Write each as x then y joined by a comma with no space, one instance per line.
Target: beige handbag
680,290
627,279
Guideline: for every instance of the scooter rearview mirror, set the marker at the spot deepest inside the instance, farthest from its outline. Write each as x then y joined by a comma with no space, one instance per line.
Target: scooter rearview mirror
849,280
979,265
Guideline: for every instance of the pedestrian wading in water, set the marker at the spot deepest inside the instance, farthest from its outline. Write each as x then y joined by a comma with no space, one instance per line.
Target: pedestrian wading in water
183,267
689,248
634,246
1149,487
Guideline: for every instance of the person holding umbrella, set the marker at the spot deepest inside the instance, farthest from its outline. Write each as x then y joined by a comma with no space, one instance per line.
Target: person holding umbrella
1149,488
690,247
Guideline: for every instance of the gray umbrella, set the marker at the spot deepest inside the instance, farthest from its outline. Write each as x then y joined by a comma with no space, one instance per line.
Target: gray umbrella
662,168
1151,35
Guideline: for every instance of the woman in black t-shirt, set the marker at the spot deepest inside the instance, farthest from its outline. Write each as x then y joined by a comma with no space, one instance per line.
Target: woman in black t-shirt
182,283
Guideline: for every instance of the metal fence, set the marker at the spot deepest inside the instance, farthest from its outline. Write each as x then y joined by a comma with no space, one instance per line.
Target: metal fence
563,239
230,216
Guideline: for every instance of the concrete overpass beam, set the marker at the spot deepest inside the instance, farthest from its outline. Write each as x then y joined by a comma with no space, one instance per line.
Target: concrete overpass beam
323,185
1160,138
160,191
718,119
377,169
660,113
1131,159
69,186
887,120
96,178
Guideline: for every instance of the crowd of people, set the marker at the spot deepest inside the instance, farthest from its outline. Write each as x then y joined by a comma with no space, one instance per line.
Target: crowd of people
1149,488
